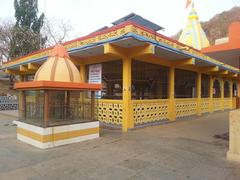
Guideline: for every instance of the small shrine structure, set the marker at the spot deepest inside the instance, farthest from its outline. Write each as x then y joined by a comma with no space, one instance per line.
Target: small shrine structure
52,110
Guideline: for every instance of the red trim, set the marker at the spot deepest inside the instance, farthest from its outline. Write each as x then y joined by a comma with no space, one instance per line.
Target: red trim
57,85
106,31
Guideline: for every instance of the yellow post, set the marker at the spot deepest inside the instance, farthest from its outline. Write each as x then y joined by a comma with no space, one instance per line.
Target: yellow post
231,93
199,86
238,88
127,102
222,94
171,94
82,73
211,94
83,80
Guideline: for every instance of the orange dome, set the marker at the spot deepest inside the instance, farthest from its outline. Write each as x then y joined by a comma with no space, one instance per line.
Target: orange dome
58,67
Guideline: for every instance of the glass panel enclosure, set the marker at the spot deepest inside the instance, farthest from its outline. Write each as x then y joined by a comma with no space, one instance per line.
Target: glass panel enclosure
64,107
34,109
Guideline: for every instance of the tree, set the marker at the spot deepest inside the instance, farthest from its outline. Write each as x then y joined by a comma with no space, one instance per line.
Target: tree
6,28
26,34
57,30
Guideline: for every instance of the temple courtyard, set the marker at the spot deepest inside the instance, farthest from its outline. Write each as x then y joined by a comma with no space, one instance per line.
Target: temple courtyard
186,149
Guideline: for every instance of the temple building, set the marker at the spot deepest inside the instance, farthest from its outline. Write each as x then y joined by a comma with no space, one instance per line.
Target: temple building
147,78
193,34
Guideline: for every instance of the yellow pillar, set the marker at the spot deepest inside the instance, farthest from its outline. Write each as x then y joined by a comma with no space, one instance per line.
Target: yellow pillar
83,80
238,88
222,94
82,73
231,93
171,94
199,87
127,121
211,94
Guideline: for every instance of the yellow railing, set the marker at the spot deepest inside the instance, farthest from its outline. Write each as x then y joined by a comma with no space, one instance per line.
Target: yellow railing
217,104
234,102
110,111
227,103
186,107
145,111
205,104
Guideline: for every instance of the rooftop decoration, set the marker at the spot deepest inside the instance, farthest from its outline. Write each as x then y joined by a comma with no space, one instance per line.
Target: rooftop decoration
193,34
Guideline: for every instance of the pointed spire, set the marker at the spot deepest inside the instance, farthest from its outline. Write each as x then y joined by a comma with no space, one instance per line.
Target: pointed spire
193,34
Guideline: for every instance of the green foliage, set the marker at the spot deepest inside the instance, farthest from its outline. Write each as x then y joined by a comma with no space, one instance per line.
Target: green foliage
26,32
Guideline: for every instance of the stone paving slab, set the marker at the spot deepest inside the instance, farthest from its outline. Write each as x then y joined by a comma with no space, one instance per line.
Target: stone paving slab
11,113
181,150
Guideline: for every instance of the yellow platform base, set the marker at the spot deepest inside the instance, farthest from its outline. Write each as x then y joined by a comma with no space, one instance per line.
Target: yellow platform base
56,136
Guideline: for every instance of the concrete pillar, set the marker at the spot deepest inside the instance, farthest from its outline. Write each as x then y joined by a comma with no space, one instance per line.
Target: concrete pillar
171,94
211,94
222,94
127,95
199,88
231,92
82,73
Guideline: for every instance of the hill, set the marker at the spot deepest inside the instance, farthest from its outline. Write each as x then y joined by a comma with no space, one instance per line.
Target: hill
217,27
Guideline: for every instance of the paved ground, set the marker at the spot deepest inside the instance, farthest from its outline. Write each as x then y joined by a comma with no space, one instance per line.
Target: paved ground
181,150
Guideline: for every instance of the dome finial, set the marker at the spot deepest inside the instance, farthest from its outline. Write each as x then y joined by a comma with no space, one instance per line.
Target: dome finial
59,51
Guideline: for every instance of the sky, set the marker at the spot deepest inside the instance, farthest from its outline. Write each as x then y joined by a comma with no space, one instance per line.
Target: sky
86,16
